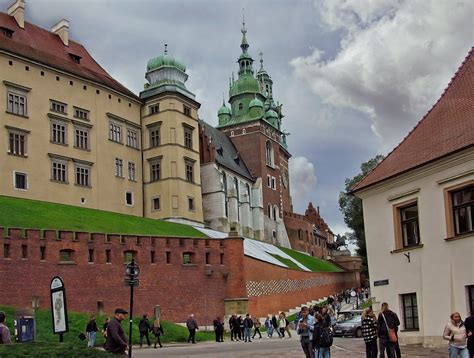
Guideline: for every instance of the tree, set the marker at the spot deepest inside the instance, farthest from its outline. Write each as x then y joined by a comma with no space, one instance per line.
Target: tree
351,208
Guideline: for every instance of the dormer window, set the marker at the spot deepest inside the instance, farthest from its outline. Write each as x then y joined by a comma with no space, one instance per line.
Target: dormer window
75,58
220,150
7,32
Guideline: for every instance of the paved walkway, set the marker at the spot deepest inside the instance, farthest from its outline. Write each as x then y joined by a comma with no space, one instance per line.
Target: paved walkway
288,348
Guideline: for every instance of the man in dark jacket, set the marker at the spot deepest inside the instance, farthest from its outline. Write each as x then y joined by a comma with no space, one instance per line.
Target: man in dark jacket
248,324
388,319
116,341
144,327
219,329
233,326
192,326
275,325
91,331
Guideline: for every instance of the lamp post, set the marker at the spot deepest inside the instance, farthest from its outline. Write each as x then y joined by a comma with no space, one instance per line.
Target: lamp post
131,279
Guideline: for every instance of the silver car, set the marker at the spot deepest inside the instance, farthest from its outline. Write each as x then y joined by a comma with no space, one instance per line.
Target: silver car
352,327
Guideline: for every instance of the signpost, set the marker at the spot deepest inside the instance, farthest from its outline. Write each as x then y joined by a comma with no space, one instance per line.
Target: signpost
131,271
59,307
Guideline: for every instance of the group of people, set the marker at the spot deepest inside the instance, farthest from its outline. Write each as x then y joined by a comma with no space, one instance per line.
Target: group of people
115,340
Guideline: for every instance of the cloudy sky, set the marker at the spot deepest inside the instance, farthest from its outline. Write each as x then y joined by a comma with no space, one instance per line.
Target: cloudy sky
354,76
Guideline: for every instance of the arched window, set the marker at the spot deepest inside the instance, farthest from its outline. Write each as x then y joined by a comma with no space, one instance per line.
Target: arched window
269,153
275,213
224,187
236,186
270,211
247,186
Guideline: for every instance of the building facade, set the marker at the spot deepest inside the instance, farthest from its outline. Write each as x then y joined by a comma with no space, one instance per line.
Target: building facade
418,214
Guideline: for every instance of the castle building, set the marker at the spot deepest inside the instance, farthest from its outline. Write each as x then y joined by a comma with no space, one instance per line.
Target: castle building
253,123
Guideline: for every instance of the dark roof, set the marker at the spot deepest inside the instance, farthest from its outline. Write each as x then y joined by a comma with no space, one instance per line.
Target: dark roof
225,152
448,127
43,46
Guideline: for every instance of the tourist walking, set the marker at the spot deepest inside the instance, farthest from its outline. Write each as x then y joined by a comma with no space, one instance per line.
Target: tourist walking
4,330
281,325
287,324
219,329
387,327
469,323
104,330
248,324
455,333
91,332
269,326
116,340
234,327
322,338
144,327
240,322
305,327
256,324
192,326
157,330
369,332
275,325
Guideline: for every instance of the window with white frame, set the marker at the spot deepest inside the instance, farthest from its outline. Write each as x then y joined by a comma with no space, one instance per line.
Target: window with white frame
115,132
155,170
17,142
155,108
273,181
269,153
81,113
463,210
17,103
82,175
118,167
58,132
129,198
81,138
58,107
155,139
156,203
132,138
59,170
410,311
188,137
20,180
189,169
131,171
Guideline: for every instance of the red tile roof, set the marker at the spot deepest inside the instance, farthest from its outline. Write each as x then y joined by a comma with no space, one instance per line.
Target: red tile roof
43,46
448,127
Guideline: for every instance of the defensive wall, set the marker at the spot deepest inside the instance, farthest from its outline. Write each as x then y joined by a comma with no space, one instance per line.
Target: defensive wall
218,280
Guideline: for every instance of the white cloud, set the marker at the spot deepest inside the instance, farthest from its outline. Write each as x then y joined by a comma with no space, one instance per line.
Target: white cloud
394,60
302,178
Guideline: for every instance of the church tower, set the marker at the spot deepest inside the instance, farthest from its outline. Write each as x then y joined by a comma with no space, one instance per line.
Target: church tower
171,169
253,123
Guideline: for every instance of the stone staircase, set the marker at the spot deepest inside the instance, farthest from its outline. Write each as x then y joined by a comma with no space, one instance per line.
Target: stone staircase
310,303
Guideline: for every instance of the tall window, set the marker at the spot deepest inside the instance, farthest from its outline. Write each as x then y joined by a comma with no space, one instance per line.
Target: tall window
409,221
155,170
188,137
191,204
129,198
17,143
132,138
410,311
187,111
59,171
269,153
155,137
189,167
131,171
463,210
82,175
226,204
16,103
58,132
118,167
156,204
81,138
115,132
20,181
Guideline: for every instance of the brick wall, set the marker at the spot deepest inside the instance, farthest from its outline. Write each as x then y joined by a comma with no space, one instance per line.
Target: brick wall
179,289
271,289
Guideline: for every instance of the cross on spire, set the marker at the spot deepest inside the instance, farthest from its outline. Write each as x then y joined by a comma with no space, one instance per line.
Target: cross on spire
261,59
166,49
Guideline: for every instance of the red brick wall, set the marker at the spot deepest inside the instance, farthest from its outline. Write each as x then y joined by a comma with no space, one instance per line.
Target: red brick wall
179,289
296,287
295,222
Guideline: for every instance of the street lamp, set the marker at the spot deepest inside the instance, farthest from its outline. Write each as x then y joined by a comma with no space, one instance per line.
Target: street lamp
132,270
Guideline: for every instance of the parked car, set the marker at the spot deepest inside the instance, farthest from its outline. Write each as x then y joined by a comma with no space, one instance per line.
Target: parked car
343,316
351,327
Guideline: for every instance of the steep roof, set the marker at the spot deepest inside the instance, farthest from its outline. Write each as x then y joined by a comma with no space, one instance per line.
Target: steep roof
448,127
226,154
43,46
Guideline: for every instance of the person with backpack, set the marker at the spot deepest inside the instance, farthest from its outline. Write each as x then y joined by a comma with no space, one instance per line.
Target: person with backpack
144,327
322,338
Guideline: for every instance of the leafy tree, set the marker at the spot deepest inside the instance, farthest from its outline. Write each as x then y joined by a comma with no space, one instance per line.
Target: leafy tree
351,208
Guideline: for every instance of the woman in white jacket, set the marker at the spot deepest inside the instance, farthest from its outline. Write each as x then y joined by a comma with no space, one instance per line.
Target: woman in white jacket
455,333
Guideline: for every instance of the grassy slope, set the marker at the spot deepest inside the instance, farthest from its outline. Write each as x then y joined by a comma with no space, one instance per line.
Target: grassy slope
77,324
16,212
312,263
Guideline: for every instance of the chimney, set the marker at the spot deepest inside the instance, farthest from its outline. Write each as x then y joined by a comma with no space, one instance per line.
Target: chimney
62,30
17,10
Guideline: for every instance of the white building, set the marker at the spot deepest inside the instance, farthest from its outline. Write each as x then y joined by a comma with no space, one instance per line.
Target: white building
419,217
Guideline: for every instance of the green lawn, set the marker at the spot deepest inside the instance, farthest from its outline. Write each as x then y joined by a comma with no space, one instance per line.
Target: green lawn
77,324
312,263
286,261
24,213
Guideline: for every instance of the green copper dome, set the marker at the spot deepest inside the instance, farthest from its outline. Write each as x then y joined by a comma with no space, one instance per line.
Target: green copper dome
224,110
271,114
256,103
244,84
164,61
